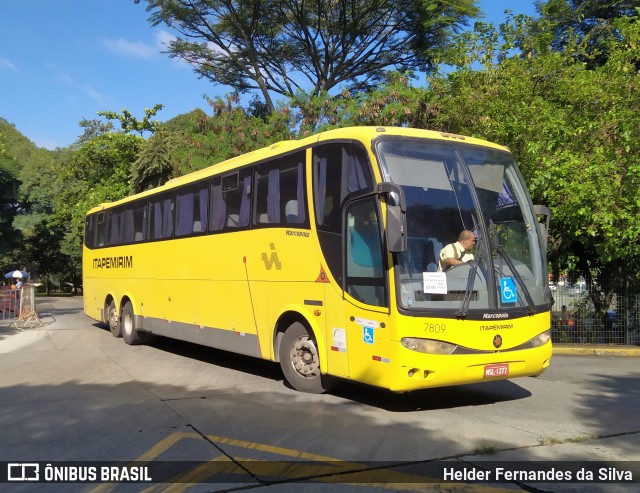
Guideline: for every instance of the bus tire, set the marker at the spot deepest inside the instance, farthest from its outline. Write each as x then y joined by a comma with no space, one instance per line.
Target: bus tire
112,320
127,323
300,361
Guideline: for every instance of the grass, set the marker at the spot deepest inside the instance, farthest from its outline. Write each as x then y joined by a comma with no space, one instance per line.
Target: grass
484,449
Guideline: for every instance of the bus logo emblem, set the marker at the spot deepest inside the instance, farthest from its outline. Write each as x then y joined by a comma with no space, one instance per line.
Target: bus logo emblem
497,341
272,259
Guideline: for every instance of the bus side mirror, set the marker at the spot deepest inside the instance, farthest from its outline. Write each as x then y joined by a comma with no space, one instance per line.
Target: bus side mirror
543,212
396,227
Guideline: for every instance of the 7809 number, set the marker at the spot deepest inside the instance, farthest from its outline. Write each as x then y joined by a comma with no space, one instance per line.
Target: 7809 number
435,328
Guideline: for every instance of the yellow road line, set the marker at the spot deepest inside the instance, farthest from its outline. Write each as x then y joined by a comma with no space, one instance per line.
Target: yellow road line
155,451
389,479
271,448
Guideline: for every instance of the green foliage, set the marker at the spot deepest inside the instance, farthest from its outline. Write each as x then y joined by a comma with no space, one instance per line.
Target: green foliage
156,161
42,253
286,46
14,148
97,172
128,122
39,184
589,20
231,131
94,128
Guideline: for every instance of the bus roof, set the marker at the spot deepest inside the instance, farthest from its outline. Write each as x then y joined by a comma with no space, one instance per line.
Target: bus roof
363,134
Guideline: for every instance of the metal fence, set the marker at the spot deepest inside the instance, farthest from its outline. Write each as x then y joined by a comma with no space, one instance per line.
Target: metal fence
18,306
9,304
576,318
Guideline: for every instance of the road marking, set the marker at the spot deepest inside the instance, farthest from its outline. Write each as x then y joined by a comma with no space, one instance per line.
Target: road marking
343,471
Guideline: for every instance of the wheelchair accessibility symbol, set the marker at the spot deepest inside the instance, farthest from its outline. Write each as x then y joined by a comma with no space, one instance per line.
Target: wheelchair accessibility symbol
508,290
367,335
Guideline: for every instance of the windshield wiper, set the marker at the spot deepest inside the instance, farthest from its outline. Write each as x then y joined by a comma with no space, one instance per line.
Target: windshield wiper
464,308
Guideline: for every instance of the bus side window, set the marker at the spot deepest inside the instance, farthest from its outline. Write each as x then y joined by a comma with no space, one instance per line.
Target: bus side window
129,233
140,222
89,231
161,217
280,193
339,170
218,213
115,222
101,232
230,201
191,214
238,201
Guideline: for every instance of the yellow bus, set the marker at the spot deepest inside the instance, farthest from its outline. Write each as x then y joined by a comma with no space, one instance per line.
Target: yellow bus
323,254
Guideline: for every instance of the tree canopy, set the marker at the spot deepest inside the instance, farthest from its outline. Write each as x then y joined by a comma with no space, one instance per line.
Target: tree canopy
283,47
589,20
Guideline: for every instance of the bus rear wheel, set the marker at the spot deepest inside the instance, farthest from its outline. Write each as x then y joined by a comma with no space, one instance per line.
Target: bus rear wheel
130,334
112,320
300,361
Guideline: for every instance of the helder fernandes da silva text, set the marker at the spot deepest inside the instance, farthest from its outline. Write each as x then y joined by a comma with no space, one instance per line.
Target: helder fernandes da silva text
502,474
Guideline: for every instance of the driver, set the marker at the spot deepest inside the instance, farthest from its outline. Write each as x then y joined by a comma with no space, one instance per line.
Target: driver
457,253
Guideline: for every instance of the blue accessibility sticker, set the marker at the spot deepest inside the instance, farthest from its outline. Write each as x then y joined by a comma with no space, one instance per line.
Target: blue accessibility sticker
367,335
508,290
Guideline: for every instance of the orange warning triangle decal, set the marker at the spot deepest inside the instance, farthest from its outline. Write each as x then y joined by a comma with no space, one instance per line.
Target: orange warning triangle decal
322,277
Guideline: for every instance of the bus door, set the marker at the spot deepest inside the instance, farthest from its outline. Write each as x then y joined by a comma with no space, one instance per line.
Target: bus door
365,291
348,228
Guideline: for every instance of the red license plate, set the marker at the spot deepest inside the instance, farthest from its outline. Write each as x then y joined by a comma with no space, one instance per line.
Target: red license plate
499,370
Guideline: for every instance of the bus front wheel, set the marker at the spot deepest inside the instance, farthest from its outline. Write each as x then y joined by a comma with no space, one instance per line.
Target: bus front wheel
300,361
112,320
127,323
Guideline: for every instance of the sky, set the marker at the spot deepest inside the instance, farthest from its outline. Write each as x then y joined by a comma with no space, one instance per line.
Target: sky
65,60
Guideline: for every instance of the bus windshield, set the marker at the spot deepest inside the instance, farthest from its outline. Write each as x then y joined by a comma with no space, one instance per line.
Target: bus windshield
454,187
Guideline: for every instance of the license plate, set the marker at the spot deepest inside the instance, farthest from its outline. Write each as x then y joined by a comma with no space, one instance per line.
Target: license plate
499,370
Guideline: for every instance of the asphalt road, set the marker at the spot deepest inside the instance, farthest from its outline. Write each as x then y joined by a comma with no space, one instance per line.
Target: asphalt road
69,391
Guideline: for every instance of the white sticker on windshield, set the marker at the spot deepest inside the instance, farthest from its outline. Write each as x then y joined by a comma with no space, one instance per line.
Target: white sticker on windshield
434,282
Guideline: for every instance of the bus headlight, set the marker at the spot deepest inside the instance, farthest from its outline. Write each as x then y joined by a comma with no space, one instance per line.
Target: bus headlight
428,346
541,339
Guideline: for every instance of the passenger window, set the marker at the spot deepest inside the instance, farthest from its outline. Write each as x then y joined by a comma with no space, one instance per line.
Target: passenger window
161,217
134,222
230,201
140,222
101,232
280,192
339,170
191,215
115,227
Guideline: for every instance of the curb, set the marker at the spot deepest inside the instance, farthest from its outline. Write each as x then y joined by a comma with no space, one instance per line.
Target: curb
595,350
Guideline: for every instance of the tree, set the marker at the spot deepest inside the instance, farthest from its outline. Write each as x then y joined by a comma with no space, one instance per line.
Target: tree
98,171
590,20
128,122
201,140
289,46
14,150
94,128
156,161
43,255
9,184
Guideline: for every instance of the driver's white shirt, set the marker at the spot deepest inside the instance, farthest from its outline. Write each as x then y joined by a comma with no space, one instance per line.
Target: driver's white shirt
453,250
